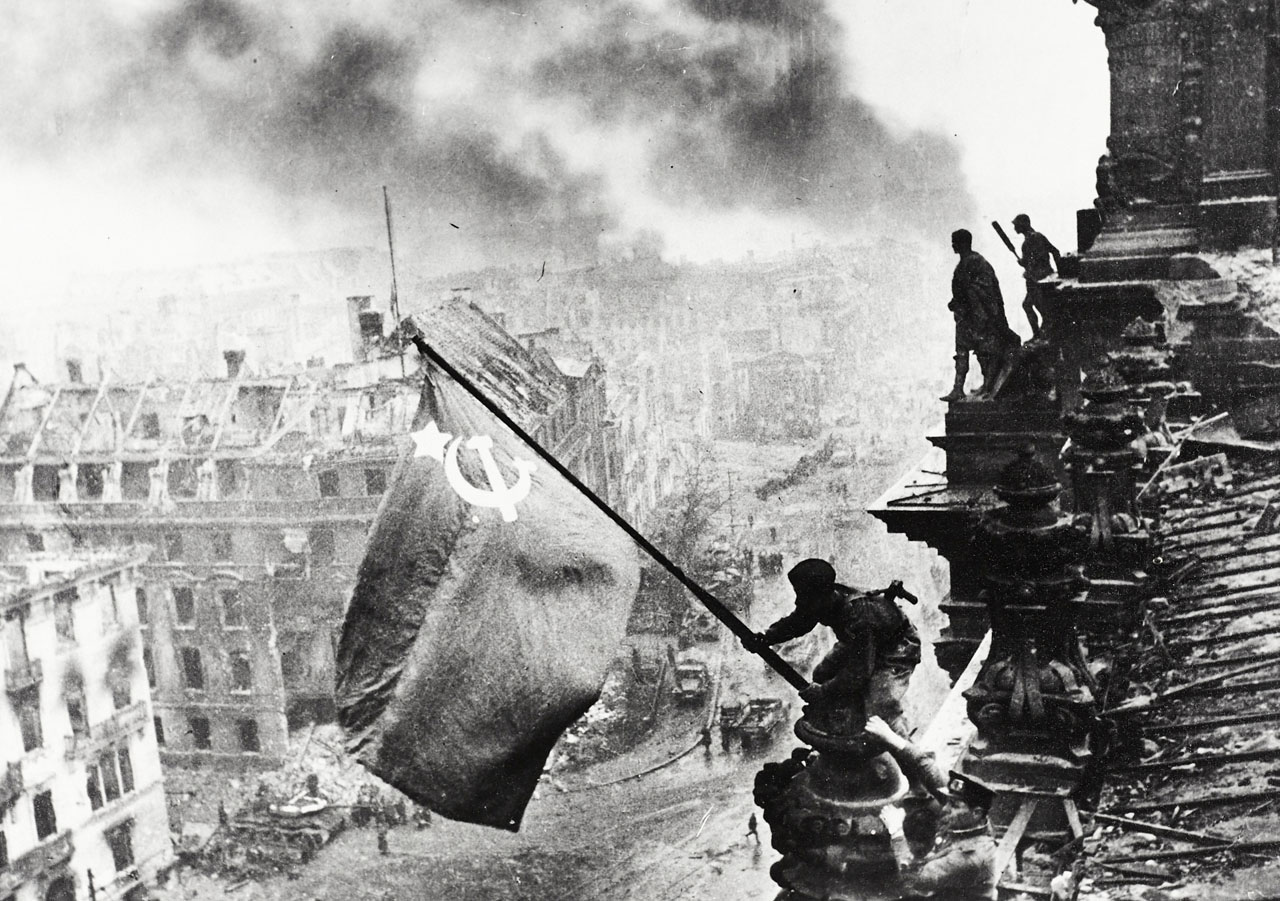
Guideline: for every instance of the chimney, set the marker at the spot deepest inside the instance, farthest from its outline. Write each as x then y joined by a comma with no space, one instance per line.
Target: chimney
370,333
75,372
235,359
356,306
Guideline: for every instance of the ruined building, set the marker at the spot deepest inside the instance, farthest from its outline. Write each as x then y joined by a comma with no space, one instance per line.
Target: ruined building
82,806
253,496
1109,536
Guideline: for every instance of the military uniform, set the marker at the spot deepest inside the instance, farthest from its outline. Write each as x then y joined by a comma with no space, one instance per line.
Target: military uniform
1037,254
961,865
978,305
960,868
876,650
982,328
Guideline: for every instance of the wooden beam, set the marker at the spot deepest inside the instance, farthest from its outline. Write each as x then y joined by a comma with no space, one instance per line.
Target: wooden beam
88,420
1073,818
48,414
1013,835
302,412
137,411
1199,838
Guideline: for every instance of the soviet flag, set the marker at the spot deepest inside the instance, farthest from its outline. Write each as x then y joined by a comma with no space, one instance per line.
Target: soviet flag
490,601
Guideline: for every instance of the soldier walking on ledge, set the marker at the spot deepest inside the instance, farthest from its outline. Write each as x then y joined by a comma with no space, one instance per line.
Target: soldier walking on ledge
1037,251
981,325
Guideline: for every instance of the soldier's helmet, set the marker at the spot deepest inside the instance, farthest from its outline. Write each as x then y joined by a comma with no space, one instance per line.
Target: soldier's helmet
969,790
812,576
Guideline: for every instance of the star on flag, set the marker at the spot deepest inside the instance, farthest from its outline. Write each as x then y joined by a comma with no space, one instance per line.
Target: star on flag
430,442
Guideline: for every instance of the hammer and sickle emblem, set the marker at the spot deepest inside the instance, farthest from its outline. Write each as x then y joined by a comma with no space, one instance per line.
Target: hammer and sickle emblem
499,494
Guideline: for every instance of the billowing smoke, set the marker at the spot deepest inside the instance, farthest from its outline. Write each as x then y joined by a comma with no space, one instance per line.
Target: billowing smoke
505,129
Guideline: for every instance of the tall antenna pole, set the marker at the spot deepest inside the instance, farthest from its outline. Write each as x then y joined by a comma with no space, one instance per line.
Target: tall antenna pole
395,295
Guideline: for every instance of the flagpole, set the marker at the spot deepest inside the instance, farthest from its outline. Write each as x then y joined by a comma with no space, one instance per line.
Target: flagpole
750,640
395,295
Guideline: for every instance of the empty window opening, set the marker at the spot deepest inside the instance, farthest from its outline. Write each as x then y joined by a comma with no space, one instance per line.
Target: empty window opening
200,735
120,840
192,668
184,605
45,816
329,485
232,607
64,614
241,672
249,741
322,546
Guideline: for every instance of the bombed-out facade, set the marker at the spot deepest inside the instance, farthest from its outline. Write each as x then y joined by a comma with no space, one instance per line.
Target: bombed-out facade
254,496
82,806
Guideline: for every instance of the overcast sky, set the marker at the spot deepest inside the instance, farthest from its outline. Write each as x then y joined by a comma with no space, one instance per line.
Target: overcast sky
1022,86
152,133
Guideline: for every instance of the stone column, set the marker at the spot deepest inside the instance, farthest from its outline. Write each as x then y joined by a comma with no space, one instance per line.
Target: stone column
1033,701
823,809
1105,456
1144,362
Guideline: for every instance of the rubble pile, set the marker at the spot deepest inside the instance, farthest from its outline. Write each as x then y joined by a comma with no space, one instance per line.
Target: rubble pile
608,728
1193,795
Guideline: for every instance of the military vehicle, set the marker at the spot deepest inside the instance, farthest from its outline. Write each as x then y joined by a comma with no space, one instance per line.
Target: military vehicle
691,680
760,719
280,835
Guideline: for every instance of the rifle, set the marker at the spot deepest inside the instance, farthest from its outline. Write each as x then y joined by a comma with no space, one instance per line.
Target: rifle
1005,238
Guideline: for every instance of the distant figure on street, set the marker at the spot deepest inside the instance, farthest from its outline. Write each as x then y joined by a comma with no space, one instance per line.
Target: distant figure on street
1037,251
752,827
981,325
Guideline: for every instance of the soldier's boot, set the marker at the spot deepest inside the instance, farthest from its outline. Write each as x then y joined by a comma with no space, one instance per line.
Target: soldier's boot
962,372
989,364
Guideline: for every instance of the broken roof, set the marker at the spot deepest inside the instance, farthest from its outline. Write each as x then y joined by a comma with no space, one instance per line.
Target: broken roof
336,410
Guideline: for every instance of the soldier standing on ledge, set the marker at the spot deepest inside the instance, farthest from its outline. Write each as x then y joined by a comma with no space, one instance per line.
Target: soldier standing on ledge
1037,251
981,325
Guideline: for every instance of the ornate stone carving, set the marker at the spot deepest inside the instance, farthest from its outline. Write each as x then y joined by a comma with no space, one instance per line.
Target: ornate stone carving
1105,455
1145,363
1034,692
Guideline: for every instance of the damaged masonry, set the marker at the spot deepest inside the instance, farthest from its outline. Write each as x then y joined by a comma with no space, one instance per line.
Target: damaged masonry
251,498
1107,509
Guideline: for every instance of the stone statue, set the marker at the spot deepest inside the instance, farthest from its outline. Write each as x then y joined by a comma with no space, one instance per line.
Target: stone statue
112,477
207,481
67,489
158,493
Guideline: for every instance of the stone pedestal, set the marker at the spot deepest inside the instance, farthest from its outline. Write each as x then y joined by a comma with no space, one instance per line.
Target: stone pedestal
824,817
1033,701
1104,458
